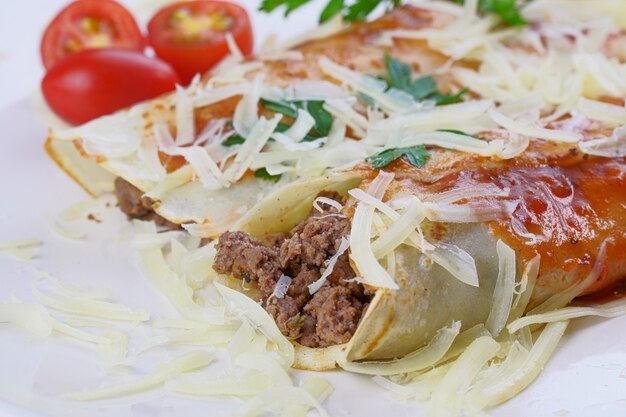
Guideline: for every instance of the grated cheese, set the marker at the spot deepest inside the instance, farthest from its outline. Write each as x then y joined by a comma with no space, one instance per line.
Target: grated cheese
471,192
423,358
450,257
447,396
360,246
503,292
613,146
327,201
471,212
303,124
519,375
527,129
343,111
604,112
391,101
400,230
185,120
204,167
185,363
247,110
235,52
256,140
608,310
82,305
281,287
23,250
245,307
330,264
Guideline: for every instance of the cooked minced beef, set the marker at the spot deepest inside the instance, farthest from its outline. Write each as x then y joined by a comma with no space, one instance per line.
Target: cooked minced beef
328,317
132,202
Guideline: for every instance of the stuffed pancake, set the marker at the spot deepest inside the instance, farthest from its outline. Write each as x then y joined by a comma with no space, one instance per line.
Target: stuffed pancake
391,186
376,271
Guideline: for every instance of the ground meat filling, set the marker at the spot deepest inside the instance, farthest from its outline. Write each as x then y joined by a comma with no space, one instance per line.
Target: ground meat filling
328,317
131,201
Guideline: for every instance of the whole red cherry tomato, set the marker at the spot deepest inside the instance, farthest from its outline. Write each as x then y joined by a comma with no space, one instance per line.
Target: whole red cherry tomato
96,82
191,35
89,24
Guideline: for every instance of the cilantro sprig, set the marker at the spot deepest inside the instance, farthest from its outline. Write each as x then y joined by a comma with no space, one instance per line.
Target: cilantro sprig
422,88
416,155
351,10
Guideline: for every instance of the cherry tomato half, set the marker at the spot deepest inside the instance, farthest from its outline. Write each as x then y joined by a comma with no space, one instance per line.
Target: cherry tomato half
95,82
90,24
191,35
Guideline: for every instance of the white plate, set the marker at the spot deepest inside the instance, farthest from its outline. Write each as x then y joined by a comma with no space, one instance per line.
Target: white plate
586,377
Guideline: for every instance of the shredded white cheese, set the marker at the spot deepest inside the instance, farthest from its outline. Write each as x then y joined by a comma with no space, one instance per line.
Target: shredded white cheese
360,245
503,292
281,287
330,264
423,358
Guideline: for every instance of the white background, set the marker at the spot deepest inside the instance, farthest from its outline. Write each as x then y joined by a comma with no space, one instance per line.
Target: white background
587,377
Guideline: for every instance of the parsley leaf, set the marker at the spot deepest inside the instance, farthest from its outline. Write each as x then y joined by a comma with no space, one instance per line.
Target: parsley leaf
356,10
445,99
416,155
262,173
234,140
360,9
288,109
323,119
290,5
332,8
399,73
423,88
506,9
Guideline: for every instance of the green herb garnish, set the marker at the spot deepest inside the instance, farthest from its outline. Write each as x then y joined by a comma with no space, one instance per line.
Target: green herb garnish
262,173
332,9
282,127
508,10
234,140
357,10
445,99
237,139
458,132
416,155
422,88
288,109
323,119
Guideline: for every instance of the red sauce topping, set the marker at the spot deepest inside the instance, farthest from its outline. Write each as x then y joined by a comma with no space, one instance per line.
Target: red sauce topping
570,205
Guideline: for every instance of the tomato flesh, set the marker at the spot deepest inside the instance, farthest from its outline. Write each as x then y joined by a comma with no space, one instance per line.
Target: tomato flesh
95,82
191,35
90,24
